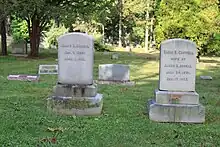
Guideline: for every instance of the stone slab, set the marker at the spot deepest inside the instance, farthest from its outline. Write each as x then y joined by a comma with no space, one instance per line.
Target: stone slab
206,77
114,72
174,97
23,77
125,83
179,113
177,65
75,58
48,69
75,90
115,56
76,106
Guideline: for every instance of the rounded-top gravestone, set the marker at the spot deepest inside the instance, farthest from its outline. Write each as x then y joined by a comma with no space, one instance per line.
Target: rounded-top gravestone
75,59
177,65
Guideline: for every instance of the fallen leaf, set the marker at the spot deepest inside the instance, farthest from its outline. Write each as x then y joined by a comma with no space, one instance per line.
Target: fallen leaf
123,89
53,140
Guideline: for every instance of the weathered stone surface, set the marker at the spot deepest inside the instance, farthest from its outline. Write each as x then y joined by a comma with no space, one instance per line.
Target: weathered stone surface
75,59
177,65
177,113
173,97
76,106
75,90
114,72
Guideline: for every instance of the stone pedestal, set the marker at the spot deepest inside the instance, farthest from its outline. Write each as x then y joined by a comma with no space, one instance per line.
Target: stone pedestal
75,100
174,97
176,107
184,113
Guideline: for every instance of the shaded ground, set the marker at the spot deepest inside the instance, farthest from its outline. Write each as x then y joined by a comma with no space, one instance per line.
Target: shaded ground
25,121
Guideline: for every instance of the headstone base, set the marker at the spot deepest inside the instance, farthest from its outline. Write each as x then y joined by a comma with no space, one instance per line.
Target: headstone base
126,83
176,97
79,106
181,113
75,90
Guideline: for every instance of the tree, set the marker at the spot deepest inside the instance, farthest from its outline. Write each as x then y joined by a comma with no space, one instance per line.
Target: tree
188,19
38,14
4,11
141,12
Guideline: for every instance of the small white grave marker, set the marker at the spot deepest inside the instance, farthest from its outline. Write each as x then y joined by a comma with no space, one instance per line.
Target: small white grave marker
48,69
23,77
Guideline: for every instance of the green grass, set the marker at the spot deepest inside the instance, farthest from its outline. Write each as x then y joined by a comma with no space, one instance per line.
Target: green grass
124,123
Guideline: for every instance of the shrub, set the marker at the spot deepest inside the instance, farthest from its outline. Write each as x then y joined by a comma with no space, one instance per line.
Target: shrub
50,36
19,30
212,48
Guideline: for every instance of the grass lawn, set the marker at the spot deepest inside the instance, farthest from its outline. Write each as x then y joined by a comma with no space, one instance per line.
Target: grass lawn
124,123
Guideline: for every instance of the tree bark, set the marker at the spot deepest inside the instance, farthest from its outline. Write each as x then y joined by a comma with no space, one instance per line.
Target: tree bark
34,37
3,37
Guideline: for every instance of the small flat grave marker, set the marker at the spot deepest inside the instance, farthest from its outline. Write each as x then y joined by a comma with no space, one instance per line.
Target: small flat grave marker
23,77
48,69
206,77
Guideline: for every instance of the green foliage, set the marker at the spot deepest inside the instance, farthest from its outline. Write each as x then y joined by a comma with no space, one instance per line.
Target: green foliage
213,46
194,20
100,47
19,30
98,43
50,36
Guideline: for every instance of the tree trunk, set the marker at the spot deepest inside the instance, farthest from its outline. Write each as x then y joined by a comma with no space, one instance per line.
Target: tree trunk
3,38
120,3
147,30
34,37
151,31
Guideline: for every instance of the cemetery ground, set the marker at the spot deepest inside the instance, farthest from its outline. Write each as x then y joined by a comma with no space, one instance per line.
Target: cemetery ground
124,121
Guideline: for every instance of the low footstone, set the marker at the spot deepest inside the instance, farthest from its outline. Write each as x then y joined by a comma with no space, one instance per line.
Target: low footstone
206,77
114,74
174,97
125,83
76,105
115,56
176,112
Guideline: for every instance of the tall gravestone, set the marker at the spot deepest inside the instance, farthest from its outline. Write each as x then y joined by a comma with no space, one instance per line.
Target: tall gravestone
176,98
75,92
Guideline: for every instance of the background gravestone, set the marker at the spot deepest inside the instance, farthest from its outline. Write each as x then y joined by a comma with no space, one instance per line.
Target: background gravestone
19,47
176,99
48,69
114,73
75,92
